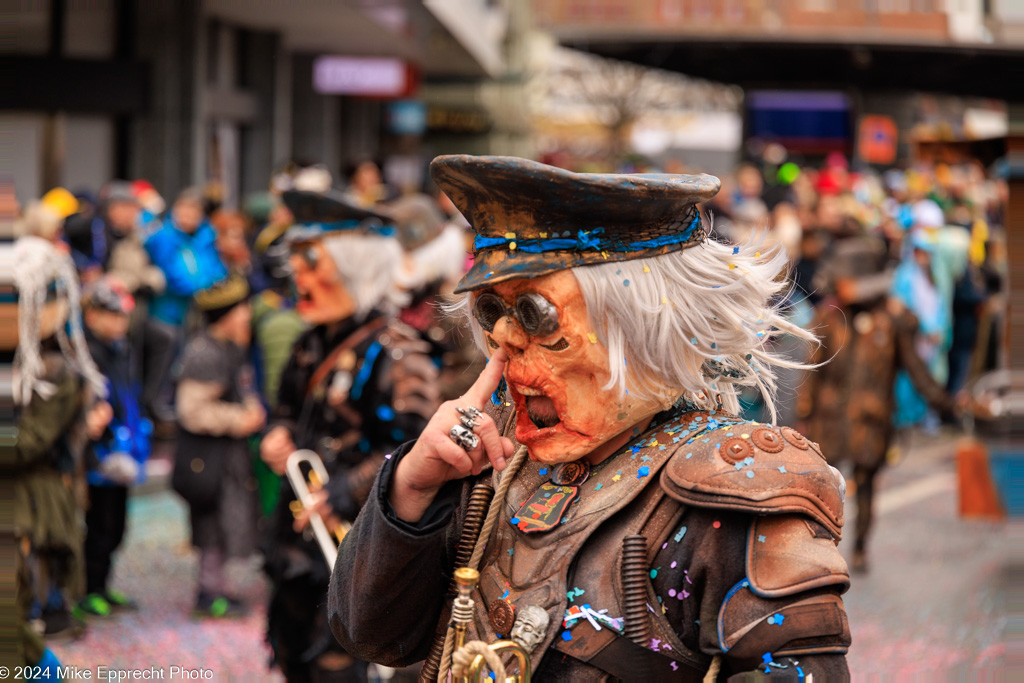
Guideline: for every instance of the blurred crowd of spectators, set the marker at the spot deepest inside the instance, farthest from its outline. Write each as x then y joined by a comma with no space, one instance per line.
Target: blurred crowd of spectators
938,229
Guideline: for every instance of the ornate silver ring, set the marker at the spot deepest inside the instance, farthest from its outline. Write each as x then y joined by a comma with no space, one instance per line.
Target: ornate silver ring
471,412
464,438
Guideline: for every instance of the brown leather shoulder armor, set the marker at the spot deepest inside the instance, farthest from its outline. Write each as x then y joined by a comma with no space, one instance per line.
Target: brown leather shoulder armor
789,603
757,468
789,554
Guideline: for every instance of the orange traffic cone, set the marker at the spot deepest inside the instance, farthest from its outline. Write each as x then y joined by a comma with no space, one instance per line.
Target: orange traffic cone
978,496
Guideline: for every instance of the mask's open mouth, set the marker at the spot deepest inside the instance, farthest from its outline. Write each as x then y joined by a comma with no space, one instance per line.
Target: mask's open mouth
541,411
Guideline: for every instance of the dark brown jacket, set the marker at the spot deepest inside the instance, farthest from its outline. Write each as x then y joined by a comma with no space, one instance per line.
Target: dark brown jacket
741,522
848,402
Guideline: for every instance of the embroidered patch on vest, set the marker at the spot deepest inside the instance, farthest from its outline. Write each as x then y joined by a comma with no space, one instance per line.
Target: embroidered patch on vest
545,508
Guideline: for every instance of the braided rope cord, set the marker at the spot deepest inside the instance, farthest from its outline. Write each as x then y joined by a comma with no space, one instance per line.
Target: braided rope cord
493,513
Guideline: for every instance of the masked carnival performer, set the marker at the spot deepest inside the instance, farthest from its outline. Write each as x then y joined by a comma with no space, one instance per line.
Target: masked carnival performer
358,383
867,337
435,260
58,406
637,528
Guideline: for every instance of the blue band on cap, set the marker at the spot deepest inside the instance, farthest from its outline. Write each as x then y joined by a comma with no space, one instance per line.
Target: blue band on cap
586,240
352,224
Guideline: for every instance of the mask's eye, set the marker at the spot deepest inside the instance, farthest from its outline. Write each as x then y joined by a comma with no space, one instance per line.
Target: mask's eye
491,343
488,310
560,345
311,256
537,315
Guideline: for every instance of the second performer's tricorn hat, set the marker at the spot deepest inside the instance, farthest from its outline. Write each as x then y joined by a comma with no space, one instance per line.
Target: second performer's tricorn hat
532,219
320,213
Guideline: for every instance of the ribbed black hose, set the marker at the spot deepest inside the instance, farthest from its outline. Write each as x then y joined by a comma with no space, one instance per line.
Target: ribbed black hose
634,599
634,589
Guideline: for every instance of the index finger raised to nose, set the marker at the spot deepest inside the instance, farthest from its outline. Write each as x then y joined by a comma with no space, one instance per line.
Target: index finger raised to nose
488,381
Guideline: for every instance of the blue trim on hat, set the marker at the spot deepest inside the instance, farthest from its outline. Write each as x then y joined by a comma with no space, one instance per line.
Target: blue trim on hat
586,240
351,224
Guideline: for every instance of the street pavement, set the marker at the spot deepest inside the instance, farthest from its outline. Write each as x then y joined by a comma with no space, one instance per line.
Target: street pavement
930,608
932,605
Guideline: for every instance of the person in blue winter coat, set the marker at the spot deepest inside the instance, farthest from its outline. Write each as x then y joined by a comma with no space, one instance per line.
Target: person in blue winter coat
185,250
120,453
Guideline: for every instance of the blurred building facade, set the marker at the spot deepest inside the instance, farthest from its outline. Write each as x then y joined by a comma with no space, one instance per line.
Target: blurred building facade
875,21
882,80
185,92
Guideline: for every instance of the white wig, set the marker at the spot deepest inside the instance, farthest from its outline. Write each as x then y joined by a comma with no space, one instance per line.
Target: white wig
695,323
37,263
442,259
369,268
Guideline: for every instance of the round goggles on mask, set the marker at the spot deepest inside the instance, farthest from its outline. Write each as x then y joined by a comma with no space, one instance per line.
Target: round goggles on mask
536,315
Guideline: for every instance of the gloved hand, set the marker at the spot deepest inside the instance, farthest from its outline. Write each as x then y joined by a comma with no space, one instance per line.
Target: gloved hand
121,468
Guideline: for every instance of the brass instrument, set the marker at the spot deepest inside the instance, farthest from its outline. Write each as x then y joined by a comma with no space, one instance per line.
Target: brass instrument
304,489
462,614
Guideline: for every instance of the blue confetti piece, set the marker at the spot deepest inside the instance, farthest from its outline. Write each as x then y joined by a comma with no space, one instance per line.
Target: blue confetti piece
738,466
514,521
782,468
626,283
679,534
542,471
693,340
761,538
689,455
779,618
647,458
766,658
386,413
718,445
748,460
505,595
750,474
599,487
643,472
654,573
566,636
735,250
511,551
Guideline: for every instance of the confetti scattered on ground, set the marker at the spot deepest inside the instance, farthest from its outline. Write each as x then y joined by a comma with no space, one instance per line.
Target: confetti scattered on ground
157,568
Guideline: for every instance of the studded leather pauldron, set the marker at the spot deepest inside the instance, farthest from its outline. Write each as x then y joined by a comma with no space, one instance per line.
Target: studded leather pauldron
761,469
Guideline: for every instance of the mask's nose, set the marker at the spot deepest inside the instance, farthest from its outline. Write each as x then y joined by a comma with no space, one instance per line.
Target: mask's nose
510,335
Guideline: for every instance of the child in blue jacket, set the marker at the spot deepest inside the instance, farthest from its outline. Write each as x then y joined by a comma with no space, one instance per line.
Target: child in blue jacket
121,452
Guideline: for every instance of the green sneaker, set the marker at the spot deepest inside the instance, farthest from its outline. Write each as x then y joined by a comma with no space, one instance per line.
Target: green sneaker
218,608
94,604
119,600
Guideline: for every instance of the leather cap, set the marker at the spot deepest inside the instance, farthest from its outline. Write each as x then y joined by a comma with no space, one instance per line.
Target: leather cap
532,219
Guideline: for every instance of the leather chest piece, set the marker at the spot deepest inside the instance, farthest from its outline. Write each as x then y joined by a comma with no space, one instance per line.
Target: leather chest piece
529,563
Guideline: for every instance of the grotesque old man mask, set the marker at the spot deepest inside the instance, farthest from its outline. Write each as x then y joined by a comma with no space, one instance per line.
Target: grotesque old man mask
589,284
